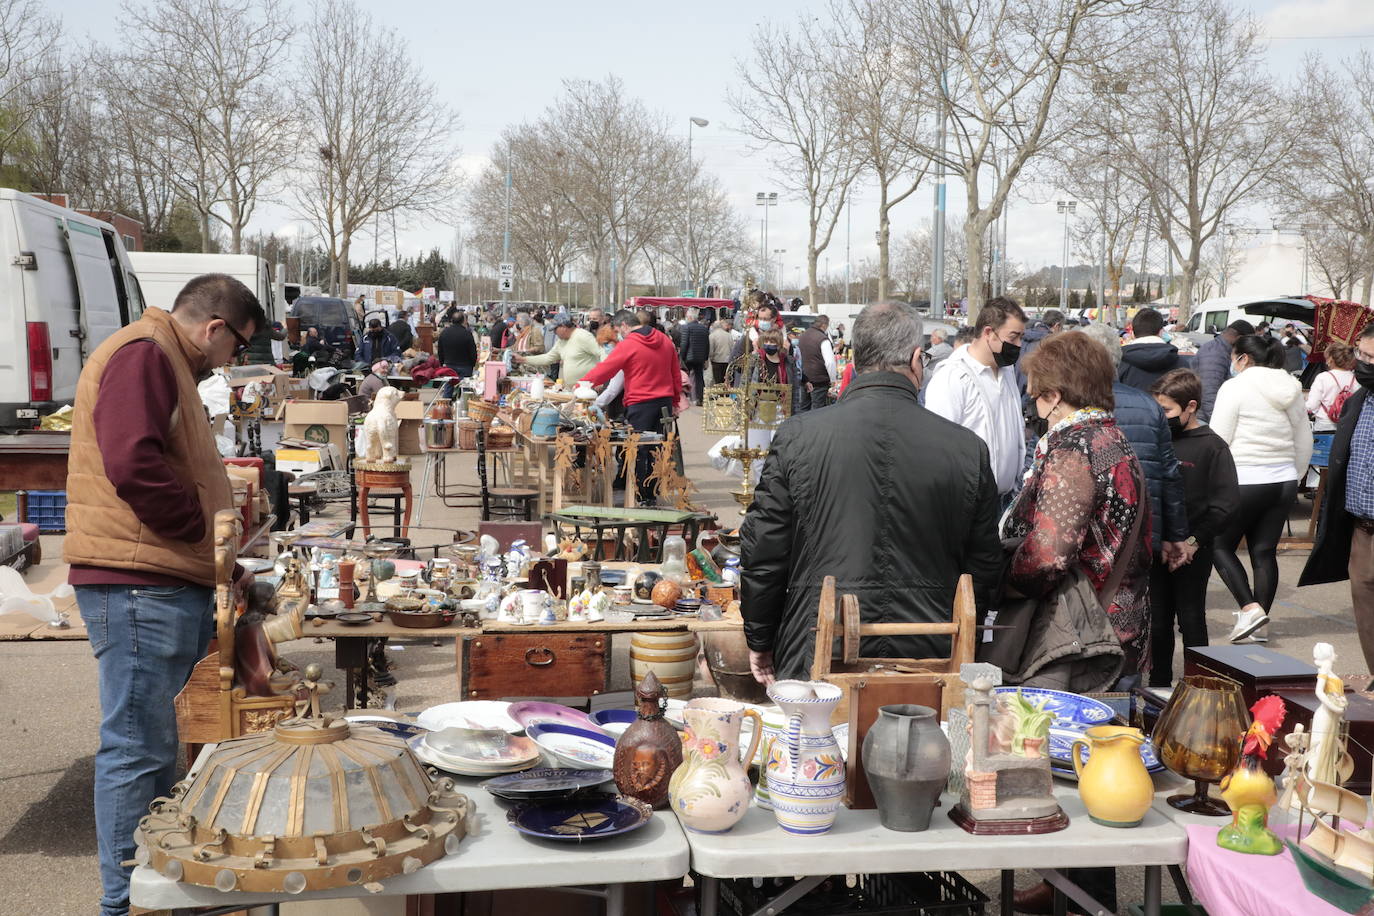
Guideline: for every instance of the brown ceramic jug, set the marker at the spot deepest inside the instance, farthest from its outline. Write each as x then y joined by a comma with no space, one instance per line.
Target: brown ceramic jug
649,750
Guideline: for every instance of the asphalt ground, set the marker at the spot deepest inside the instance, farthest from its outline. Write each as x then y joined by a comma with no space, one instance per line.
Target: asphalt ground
49,708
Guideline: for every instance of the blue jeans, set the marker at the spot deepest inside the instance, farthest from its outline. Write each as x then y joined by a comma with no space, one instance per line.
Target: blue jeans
146,640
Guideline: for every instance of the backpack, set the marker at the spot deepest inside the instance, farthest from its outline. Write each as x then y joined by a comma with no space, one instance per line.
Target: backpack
1333,412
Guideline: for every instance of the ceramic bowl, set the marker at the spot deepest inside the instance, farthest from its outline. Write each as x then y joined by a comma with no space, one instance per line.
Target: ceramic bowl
574,747
470,714
614,721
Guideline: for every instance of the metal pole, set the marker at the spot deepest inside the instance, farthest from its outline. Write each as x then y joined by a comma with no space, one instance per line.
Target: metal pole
505,237
1064,267
848,225
937,267
768,262
687,261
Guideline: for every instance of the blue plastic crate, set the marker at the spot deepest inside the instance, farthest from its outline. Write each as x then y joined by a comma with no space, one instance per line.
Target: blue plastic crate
1321,449
48,499
47,509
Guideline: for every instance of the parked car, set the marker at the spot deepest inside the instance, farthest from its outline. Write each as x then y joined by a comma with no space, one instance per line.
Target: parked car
333,316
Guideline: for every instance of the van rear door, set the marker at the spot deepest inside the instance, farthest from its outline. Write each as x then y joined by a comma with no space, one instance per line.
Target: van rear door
52,301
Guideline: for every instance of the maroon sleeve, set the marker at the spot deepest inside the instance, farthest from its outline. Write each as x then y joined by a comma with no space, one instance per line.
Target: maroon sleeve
133,416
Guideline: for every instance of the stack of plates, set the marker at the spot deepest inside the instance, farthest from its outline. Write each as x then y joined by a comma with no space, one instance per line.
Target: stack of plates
475,751
482,714
545,784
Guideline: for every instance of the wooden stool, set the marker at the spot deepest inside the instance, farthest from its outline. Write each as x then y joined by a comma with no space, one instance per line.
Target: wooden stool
379,476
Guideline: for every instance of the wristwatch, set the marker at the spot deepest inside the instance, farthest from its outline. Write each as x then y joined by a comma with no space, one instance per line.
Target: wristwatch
1191,541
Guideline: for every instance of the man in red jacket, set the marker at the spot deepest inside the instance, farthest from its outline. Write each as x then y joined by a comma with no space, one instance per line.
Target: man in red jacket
647,361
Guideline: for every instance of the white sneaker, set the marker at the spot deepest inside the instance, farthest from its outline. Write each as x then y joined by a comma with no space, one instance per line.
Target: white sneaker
1247,622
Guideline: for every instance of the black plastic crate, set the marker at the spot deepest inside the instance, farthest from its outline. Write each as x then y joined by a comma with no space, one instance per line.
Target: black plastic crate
931,893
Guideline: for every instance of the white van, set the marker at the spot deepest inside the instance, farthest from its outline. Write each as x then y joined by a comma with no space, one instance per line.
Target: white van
1210,317
69,286
162,275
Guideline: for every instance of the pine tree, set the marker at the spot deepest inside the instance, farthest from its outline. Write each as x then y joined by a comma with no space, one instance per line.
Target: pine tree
1073,300
1090,298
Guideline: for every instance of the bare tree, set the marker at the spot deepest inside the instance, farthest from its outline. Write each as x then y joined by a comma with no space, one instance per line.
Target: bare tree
784,103
1334,162
1000,68
877,91
1340,256
542,229
29,65
58,129
204,71
1204,129
718,248
378,139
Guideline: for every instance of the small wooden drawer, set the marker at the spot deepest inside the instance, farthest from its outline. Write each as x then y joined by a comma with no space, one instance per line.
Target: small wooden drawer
538,665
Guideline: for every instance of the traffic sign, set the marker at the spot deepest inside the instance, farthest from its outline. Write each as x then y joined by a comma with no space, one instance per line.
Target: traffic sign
506,285
507,269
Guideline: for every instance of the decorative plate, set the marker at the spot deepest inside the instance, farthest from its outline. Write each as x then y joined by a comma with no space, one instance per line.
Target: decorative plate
448,765
538,712
354,619
1061,742
612,577
581,818
1069,708
545,783
255,565
614,721
397,727
470,714
575,747
481,747
673,713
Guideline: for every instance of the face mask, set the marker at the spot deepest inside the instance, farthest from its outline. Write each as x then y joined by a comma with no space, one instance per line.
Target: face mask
1166,336
765,325
1175,425
1007,356
1364,374
1234,371
770,348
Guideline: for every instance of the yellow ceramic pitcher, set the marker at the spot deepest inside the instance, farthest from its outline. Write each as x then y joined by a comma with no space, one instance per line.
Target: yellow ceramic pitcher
1114,784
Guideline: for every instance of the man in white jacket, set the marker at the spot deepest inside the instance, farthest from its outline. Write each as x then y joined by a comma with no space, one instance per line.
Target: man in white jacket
977,389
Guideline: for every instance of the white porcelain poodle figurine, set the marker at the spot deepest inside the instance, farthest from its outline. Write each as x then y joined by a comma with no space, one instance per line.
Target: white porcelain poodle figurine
381,428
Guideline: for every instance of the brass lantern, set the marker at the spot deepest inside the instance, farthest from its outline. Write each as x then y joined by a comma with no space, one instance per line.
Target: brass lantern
313,804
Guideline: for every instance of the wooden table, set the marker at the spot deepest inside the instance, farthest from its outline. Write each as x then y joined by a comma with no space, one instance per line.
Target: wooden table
34,461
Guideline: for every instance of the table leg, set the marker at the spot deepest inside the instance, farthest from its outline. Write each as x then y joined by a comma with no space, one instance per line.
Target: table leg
1152,890
1008,891
430,458
710,895
615,900
405,494
459,645
362,511
1064,888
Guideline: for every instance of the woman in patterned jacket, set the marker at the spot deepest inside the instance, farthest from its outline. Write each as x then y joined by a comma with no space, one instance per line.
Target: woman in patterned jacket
1082,494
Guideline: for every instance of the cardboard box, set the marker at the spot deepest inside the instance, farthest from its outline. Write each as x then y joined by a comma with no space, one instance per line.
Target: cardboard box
302,460
318,423
395,298
410,413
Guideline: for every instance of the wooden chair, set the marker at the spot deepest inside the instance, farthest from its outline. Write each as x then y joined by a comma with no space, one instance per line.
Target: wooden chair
508,501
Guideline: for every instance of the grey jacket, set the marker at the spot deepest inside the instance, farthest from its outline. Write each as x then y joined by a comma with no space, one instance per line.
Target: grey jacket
1074,647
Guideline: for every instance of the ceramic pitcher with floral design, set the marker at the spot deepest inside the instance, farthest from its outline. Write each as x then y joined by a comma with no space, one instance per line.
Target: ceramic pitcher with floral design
710,792
804,768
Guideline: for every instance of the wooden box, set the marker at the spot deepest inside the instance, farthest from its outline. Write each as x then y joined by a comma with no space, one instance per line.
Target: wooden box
495,667
1359,716
866,695
1258,670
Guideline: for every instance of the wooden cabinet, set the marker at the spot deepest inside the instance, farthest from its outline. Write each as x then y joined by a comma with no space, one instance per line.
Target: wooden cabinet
495,667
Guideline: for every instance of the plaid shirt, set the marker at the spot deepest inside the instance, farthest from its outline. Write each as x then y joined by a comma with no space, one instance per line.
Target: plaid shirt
1359,475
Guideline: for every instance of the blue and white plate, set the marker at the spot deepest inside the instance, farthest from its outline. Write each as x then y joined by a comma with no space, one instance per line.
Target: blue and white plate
574,747
580,819
1061,744
1069,708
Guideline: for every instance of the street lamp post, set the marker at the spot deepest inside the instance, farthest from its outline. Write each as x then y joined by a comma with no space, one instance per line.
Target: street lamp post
691,167
1104,87
777,256
765,199
1066,207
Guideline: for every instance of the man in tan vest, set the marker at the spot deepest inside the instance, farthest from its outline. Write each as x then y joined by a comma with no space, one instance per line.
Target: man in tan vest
143,484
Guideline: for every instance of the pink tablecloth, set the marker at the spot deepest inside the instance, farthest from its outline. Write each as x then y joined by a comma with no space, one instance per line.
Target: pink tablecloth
1230,883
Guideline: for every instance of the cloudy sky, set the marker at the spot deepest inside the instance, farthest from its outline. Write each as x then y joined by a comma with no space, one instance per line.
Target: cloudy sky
498,63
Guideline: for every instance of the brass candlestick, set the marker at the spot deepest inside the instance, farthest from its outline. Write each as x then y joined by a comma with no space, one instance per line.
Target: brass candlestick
732,409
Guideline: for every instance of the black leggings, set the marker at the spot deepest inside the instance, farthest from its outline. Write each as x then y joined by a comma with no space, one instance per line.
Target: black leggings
1259,518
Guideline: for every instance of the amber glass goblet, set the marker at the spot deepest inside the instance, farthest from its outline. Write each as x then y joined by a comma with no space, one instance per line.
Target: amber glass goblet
1198,736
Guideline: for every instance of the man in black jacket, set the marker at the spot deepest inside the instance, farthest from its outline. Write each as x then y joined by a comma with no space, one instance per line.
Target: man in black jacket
840,496
1345,535
695,347
1148,355
457,347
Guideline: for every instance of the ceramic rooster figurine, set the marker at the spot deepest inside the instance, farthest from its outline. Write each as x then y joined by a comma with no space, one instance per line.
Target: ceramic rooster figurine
1248,790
